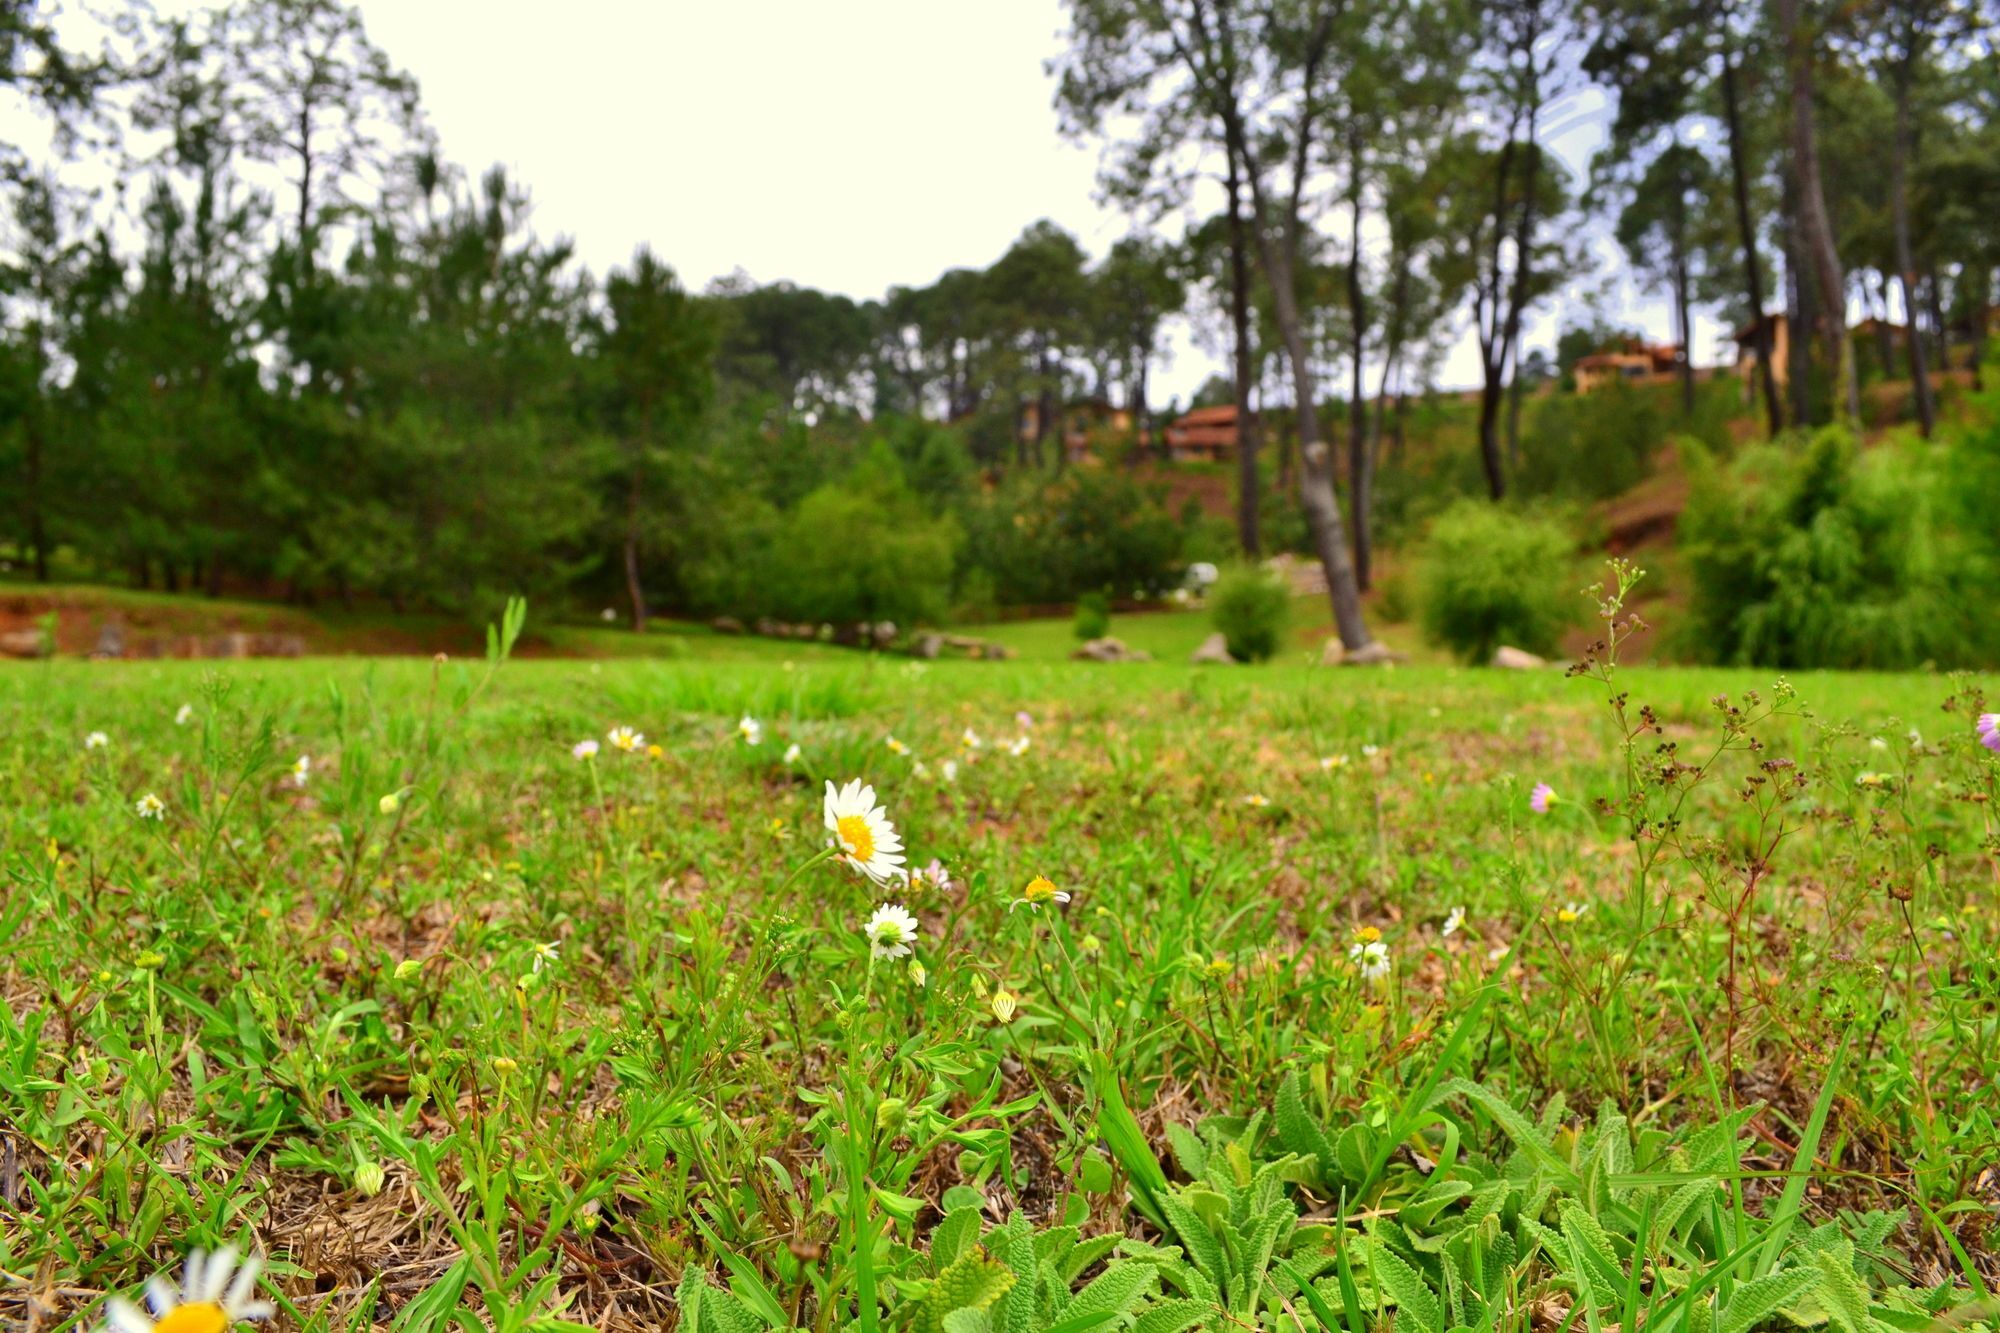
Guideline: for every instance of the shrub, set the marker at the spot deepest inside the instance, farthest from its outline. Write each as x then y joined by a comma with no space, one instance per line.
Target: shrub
1592,446
1093,616
1489,576
1251,607
1052,539
1824,556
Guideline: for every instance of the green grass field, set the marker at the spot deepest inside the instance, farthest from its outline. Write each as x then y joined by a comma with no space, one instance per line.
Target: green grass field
1334,1029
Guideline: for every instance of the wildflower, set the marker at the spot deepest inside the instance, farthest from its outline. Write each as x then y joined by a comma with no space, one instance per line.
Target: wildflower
792,753
1256,800
583,750
890,931
1024,720
546,956
184,715
1039,893
863,833
96,740
1369,953
1330,762
918,977
895,746
948,770
389,804
1570,913
1454,922
1542,797
1989,731
1004,1004
1874,781
1018,746
208,1301
1370,751
1498,951
150,806
970,739
625,738
752,731
1877,743
933,876
302,768
778,829
1219,967
1916,739
919,769
654,751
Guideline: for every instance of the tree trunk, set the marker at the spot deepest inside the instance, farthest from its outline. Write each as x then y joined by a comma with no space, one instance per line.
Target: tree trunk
1524,252
1803,315
1935,291
1906,265
1489,434
1814,220
1684,321
1885,346
1359,482
1746,234
1248,487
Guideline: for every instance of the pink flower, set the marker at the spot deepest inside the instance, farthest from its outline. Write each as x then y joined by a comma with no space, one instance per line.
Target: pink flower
1542,797
1989,731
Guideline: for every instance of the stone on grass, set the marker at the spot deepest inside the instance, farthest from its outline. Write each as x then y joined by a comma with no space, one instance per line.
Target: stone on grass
1517,659
1214,650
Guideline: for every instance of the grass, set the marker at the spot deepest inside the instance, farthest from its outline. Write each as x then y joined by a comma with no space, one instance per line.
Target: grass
463,1031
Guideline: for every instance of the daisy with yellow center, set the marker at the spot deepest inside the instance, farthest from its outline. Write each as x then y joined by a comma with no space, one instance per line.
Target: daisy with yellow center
625,738
895,746
150,806
752,731
862,833
1570,913
1256,800
1330,762
1039,893
890,931
209,1299
970,739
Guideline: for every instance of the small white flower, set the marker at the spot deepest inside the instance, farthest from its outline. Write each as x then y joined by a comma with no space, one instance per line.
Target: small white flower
96,740
1371,956
933,876
583,750
208,1301
184,715
948,770
1018,746
890,931
752,732
1877,743
1256,800
792,753
1370,751
895,746
862,832
1330,762
545,954
1916,739
625,738
970,739
1454,922
1498,951
302,768
150,806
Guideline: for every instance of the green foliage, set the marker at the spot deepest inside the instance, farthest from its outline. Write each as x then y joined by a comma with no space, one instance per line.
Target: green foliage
1251,607
1592,446
1048,540
1093,616
1489,576
1813,554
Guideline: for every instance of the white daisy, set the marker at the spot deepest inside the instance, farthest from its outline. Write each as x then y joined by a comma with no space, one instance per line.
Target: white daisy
792,753
546,954
1256,800
895,746
1569,913
302,768
96,740
1018,746
207,1302
1039,893
150,806
970,739
752,732
1372,957
890,931
948,770
1454,922
184,715
583,750
863,833
625,738
1330,762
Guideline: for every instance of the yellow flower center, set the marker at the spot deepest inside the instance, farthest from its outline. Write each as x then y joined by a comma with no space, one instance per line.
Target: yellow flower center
201,1317
856,837
1367,935
1039,890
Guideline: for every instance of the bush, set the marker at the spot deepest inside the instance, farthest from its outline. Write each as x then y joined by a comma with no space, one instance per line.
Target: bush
1591,446
1489,576
1824,556
1046,540
1093,616
1251,607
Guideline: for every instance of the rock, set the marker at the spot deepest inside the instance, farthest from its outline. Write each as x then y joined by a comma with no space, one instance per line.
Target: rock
770,628
1332,653
1214,650
1517,659
927,646
1372,653
110,640
1109,650
21,643
726,625
883,632
995,652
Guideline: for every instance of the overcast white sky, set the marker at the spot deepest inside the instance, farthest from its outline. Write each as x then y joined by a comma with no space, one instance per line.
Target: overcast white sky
847,146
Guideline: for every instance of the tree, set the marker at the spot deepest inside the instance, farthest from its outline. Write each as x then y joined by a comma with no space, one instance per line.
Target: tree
1040,296
1259,82
656,349
1655,227
1132,293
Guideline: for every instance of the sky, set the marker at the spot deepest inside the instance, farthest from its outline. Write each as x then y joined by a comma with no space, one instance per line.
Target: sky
847,146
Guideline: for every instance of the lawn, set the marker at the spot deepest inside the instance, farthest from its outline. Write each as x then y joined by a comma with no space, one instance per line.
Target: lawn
1317,1022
